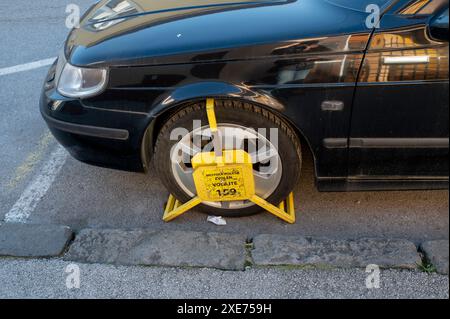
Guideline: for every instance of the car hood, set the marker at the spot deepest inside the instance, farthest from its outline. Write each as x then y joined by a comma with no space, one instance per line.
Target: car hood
126,32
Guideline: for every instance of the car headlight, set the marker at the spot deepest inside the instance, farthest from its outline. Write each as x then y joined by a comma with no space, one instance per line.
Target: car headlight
79,82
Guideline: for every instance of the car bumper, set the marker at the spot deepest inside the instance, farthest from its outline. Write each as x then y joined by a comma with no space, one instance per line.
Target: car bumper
87,134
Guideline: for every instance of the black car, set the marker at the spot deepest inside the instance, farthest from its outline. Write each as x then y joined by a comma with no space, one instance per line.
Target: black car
362,84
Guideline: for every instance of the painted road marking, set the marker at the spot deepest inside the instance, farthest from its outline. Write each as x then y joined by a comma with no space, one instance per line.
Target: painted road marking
38,187
32,159
26,66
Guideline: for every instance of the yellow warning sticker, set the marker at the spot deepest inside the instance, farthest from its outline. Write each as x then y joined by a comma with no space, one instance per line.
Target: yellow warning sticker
223,183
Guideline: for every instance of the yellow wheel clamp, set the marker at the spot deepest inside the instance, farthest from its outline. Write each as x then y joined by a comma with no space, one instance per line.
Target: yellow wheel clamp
225,175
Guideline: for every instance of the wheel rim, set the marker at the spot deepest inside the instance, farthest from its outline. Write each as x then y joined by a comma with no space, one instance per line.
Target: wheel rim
267,166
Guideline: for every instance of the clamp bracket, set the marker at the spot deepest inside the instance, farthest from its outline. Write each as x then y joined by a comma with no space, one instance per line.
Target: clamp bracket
225,175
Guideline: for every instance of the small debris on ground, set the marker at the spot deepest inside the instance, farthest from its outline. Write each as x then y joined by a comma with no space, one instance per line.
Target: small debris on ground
218,220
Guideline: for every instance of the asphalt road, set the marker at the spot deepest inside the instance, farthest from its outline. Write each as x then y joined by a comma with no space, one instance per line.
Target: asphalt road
85,196
48,278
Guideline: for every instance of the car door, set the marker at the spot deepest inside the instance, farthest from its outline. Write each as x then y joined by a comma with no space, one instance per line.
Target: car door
400,118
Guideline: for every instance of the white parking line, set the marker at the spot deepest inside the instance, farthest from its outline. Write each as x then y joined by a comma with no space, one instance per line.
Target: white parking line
39,186
41,183
26,66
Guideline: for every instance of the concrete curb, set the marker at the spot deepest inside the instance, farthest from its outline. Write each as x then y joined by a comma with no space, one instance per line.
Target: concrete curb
436,253
276,250
163,248
214,250
228,251
31,240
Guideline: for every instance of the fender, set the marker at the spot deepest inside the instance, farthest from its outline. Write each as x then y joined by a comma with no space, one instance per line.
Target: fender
215,89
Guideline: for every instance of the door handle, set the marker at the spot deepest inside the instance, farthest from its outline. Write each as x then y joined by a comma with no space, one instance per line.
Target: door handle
395,60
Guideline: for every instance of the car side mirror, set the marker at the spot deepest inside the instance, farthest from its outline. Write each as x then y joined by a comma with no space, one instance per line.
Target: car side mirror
438,26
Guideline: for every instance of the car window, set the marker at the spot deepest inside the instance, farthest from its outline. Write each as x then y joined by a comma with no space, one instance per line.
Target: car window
360,5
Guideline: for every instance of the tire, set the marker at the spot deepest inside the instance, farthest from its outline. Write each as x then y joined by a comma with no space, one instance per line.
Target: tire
232,113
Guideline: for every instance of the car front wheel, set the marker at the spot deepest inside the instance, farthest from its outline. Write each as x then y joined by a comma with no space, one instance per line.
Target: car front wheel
273,145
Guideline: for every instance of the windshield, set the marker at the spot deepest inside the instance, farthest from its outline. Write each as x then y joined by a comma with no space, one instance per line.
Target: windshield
360,5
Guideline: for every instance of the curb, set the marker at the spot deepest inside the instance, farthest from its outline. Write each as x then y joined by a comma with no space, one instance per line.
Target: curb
436,253
215,250
163,248
234,252
32,240
276,250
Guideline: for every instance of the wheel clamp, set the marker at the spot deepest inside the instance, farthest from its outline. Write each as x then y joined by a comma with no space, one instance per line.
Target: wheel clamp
224,176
